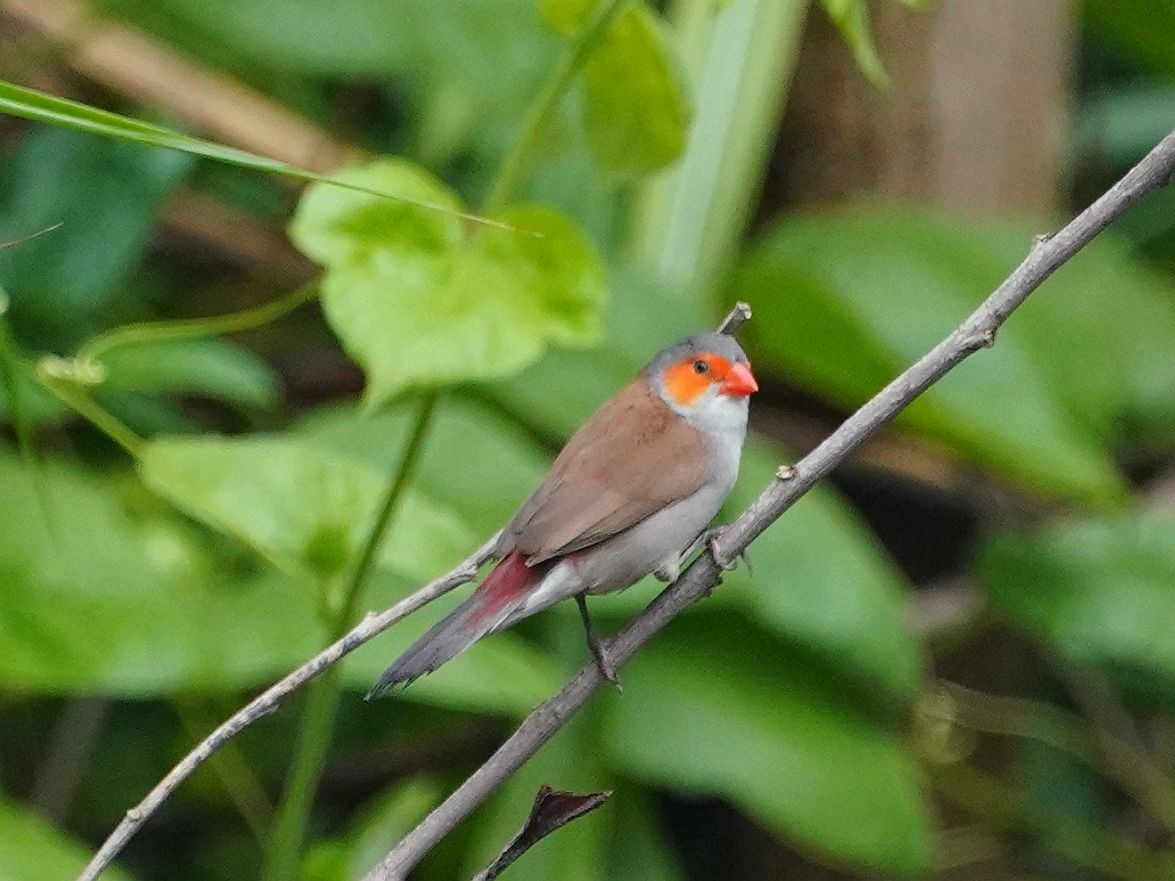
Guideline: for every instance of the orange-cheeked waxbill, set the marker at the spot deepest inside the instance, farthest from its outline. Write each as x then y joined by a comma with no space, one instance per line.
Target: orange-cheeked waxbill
630,494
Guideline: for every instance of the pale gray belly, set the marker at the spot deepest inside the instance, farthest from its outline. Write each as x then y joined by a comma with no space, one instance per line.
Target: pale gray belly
628,557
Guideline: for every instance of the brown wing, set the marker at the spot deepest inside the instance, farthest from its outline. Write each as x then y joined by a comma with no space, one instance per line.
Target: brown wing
633,457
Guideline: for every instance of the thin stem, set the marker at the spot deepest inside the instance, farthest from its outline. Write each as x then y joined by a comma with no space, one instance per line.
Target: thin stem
985,796
283,846
192,328
1127,758
316,725
76,399
269,700
540,112
12,365
687,222
242,785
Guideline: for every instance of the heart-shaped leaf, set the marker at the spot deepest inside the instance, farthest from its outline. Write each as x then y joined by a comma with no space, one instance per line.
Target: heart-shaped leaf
304,509
116,596
420,299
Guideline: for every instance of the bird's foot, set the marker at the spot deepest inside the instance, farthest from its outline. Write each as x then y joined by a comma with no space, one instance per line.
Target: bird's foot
711,537
603,664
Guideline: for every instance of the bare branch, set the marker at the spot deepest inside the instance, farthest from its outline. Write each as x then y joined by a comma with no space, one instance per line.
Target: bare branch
269,700
978,331
739,315
551,811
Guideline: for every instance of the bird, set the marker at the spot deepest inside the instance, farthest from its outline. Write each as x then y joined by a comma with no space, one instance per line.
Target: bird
631,493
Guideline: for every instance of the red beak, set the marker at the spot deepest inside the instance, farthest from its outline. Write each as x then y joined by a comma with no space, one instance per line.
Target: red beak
739,382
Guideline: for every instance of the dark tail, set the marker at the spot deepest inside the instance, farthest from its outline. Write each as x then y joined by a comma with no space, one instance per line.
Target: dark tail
498,595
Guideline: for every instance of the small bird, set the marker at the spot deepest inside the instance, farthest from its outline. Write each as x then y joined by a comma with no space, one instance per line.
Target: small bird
631,493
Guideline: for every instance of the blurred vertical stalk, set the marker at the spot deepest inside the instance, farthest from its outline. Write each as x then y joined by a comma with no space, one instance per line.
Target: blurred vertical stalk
545,103
740,61
283,847
11,367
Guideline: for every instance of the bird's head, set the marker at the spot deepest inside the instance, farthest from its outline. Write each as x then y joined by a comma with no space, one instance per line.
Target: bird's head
705,378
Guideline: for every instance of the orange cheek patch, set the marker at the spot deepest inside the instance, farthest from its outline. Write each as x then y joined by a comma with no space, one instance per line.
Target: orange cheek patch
684,385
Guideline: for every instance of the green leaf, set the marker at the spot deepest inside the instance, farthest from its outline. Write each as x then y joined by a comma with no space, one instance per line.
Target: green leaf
1100,590
302,508
851,18
1143,30
133,605
33,850
635,108
211,368
641,847
820,577
389,817
1121,124
40,107
845,301
500,462
116,598
565,17
723,711
66,283
420,300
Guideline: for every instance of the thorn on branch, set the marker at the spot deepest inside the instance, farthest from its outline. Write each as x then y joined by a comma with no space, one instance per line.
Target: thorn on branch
551,811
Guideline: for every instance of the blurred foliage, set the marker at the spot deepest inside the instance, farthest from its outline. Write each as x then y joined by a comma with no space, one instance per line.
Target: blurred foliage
171,583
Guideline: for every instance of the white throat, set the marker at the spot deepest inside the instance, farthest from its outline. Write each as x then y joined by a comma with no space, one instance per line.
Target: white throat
720,417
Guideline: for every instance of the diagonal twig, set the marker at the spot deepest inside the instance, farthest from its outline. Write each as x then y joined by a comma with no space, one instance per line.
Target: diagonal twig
269,700
978,331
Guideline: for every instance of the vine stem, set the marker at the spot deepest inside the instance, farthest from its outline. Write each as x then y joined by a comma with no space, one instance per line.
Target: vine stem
75,397
540,112
316,726
191,328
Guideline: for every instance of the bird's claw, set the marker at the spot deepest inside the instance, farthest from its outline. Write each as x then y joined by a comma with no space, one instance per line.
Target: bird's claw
605,667
720,558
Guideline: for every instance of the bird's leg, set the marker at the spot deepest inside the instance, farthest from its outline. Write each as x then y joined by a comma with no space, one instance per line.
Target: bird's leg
605,667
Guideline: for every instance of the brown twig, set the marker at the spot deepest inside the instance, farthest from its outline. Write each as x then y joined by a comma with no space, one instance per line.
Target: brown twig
978,331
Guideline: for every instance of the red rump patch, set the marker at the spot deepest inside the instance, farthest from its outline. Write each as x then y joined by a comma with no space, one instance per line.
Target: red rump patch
508,582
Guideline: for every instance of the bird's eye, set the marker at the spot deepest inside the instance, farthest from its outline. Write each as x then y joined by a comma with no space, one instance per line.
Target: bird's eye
701,367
